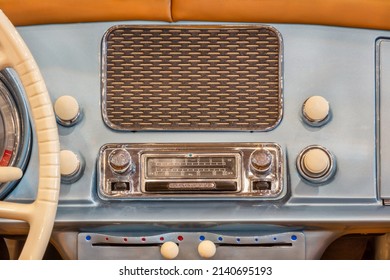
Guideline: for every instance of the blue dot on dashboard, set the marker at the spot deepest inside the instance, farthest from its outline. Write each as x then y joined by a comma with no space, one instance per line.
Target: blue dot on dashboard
88,237
294,237
201,238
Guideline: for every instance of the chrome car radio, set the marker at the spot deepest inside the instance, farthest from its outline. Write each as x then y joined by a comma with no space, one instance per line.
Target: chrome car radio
196,170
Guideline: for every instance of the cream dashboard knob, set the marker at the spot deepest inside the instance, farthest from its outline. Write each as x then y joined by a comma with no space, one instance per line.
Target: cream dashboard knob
71,166
316,161
169,250
316,110
67,110
207,249
316,164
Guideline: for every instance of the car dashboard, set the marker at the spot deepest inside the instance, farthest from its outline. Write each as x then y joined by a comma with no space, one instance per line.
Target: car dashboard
188,140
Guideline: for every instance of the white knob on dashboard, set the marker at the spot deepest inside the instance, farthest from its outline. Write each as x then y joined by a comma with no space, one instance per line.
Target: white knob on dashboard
207,249
316,161
70,166
67,110
316,164
169,250
315,109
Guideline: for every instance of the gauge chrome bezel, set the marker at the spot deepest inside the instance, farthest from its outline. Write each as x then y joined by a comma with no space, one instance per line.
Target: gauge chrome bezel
21,151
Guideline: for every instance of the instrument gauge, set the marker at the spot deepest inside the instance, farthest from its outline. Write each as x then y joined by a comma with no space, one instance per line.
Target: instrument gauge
14,126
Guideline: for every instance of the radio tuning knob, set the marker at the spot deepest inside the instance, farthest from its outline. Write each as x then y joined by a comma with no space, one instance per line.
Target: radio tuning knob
120,160
261,161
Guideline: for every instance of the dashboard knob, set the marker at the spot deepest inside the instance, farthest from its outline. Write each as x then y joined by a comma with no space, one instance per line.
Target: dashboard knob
169,250
71,166
316,110
67,110
316,161
207,249
316,164
261,161
120,160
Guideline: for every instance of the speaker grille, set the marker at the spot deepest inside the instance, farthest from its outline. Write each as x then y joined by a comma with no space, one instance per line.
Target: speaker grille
191,78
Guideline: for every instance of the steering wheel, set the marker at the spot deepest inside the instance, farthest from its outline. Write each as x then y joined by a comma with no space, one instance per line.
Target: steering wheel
41,213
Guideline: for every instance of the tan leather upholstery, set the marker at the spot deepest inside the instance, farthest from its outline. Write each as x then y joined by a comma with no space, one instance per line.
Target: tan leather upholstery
28,12
351,13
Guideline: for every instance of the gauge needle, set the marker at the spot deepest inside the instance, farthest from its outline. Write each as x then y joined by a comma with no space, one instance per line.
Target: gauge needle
10,173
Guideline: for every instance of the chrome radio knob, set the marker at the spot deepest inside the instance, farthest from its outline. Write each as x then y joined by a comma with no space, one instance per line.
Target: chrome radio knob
316,164
207,249
261,161
120,160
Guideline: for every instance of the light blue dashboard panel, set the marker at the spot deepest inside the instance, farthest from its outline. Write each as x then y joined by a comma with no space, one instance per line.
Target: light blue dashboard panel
336,63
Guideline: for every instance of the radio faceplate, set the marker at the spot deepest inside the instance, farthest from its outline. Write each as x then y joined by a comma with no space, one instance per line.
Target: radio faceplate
129,171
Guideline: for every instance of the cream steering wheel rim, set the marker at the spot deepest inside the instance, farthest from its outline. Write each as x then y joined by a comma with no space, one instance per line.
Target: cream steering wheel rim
41,213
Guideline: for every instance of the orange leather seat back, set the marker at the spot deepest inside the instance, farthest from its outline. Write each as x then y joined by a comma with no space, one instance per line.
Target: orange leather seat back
29,12
352,13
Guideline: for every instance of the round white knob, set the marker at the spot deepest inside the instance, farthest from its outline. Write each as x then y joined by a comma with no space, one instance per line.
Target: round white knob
70,163
71,166
169,250
316,164
316,161
316,109
67,110
207,249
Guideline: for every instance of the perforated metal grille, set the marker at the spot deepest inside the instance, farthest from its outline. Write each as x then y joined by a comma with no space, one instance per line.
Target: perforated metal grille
191,78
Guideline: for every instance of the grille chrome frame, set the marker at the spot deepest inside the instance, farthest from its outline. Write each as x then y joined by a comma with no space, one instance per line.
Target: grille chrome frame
198,109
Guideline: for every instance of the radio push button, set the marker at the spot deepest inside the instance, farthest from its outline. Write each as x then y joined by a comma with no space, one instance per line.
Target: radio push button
120,160
169,250
261,161
207,249
315,110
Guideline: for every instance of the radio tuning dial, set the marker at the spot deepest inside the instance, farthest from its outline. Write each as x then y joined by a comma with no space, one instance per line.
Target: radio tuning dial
261,161
120,160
